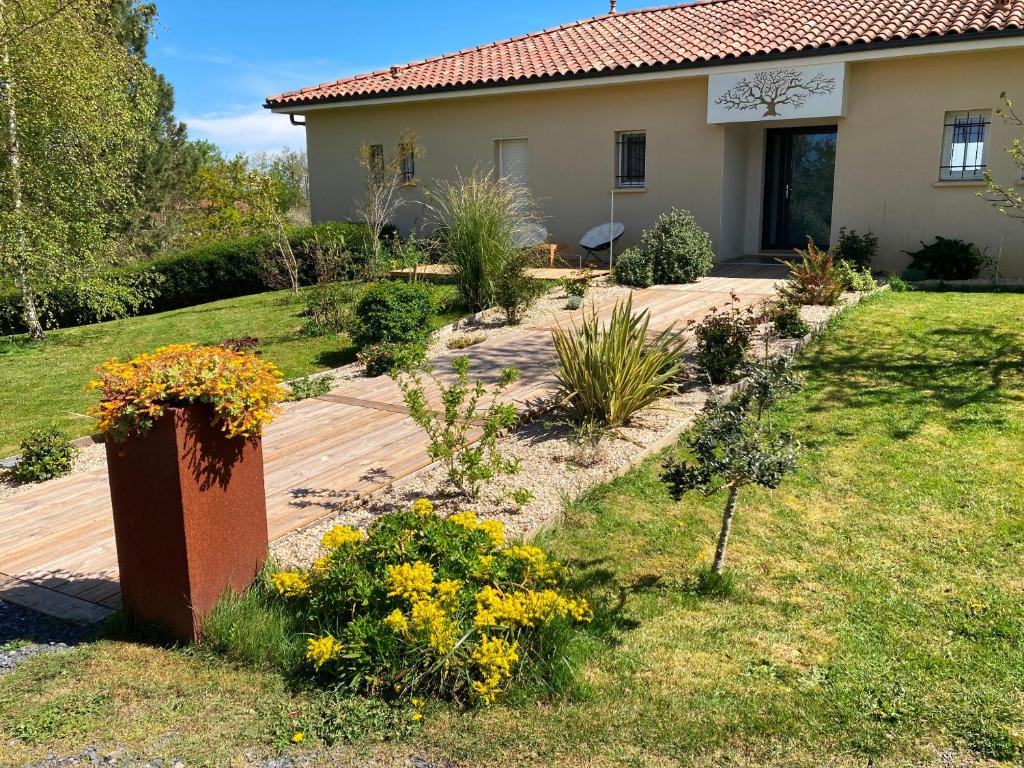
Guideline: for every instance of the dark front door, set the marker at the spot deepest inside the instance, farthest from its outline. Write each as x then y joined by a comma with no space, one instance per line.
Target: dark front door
800,166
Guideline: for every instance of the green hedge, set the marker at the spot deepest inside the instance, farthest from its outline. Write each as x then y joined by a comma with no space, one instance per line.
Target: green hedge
221,270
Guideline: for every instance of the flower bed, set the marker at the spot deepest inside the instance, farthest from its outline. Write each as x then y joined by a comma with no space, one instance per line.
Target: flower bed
429,605
558,467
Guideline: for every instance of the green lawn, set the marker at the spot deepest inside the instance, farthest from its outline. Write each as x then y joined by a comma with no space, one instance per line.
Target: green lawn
40,383
876,616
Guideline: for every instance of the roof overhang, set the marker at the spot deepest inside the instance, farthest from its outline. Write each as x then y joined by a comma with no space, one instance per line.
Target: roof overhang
925,46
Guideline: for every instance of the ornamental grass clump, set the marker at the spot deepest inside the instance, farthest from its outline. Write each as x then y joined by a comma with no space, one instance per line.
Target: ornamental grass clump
481,222
429,605
608,372
243,391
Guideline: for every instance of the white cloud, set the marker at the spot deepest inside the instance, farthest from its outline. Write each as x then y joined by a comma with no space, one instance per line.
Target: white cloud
251,131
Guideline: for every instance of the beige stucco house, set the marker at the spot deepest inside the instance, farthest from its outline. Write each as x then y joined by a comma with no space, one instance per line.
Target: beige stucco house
768,119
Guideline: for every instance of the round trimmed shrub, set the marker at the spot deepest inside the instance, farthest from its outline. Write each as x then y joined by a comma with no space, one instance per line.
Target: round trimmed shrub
46,453
633,268
393,312
678,249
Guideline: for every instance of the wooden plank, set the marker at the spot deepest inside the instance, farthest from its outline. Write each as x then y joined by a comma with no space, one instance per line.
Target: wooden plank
50,602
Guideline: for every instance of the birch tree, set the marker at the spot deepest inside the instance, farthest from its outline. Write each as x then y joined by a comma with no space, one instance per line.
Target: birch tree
76,106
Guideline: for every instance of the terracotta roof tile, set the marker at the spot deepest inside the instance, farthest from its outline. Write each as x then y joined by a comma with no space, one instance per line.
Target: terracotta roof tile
706,31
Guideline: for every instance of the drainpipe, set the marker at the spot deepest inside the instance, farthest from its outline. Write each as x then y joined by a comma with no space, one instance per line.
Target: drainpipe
611,231
293,121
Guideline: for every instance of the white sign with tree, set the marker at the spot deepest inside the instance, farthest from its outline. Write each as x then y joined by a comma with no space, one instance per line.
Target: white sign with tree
777,93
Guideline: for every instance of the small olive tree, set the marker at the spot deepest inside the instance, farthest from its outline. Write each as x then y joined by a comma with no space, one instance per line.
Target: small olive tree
734,445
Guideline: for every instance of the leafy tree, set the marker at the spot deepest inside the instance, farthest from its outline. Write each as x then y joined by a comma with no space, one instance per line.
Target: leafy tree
290,172
75,106
169,160
733,445
1005,197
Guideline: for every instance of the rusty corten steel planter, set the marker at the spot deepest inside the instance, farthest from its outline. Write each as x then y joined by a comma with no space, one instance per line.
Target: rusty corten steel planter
190,518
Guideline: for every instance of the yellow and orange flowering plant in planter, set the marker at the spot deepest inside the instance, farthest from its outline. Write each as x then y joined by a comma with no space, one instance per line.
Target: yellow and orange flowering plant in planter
243,390
427,604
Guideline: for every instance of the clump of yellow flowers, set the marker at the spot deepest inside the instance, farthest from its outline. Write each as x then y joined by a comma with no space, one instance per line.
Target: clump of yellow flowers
320,650
243,390
427,604
340,536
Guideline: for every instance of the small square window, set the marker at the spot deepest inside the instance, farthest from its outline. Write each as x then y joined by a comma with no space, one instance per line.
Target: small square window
965,145
408,153
631,158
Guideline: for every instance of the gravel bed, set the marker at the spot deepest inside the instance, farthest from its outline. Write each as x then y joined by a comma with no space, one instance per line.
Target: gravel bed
558,467
25,633
89,458
549,310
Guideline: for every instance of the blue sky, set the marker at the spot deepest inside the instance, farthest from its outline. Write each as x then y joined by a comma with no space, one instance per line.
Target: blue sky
224,57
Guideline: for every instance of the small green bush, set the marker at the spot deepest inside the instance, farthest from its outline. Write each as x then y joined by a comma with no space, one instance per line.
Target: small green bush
678,249
328,308
813,279
575,286
46,453
946,259
610,372
307,387
470,463
852,279
898,285
723,338
859,250
786,319
425,605
395,312
634,267
392,357
515,291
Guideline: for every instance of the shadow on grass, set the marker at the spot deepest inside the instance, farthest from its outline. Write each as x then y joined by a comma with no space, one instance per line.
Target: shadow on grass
966,374
335,358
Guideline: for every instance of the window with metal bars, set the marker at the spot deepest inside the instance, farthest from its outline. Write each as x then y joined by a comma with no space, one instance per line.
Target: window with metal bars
377,160
965,145
408,163
631,154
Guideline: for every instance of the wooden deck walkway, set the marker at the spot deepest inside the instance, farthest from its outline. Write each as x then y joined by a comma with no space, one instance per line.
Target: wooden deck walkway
57,551
441,271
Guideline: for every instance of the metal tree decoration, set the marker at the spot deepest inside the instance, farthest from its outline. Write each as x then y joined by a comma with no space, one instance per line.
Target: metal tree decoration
734,445
773,88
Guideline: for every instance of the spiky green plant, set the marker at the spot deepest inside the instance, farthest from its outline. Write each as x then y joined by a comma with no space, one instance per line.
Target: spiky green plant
480,218
610,371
